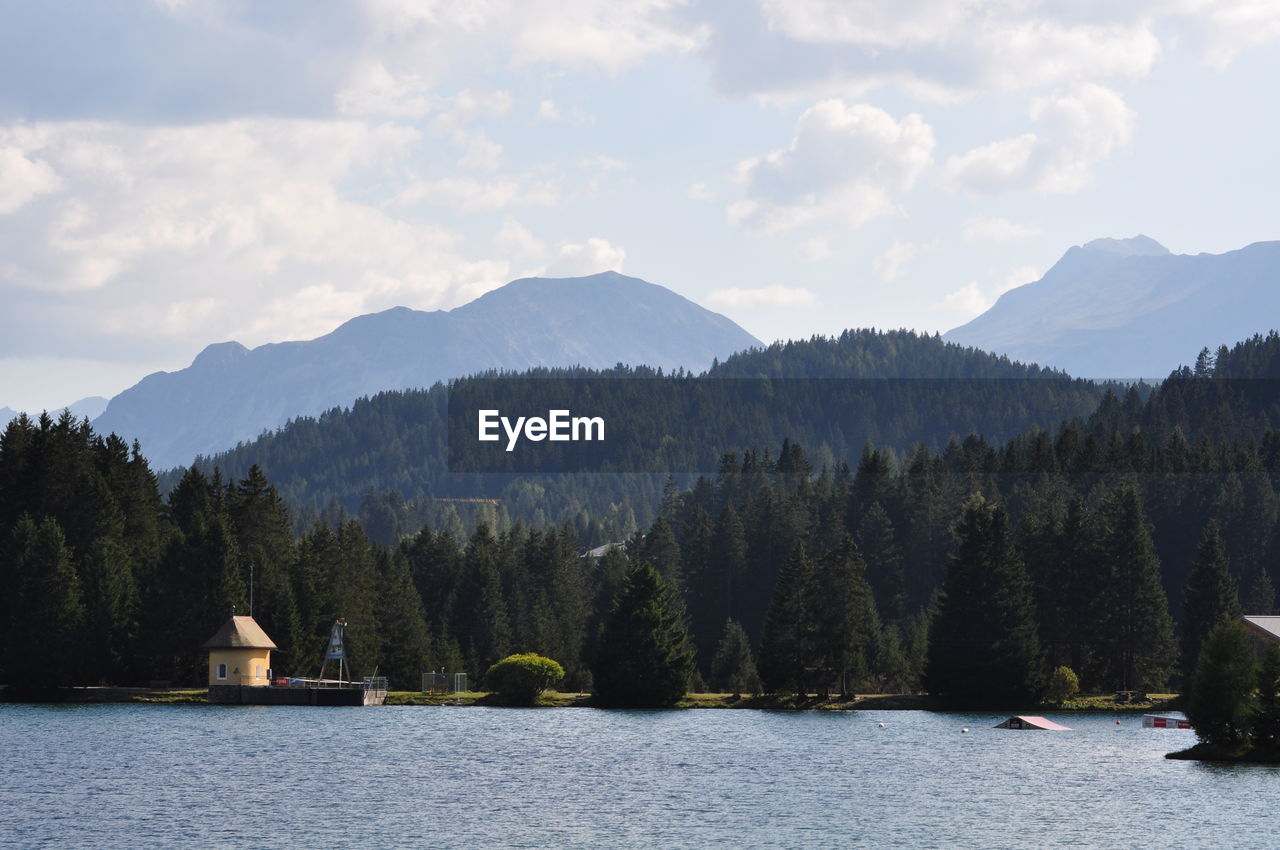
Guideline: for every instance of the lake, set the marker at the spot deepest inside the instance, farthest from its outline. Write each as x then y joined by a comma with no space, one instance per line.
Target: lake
149,776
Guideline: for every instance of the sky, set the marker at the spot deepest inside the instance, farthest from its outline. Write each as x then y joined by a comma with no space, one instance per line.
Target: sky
175,173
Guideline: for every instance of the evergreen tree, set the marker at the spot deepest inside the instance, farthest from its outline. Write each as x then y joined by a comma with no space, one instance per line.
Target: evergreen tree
264,543
644,658
846,621
790,630
983,646
1137,631
660,549
1261,598
1265,722
1210,596
406,641
877,541
733,670
46,643
1221,698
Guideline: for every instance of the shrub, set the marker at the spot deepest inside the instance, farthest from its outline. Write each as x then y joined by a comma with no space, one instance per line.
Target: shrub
1063,685
521,679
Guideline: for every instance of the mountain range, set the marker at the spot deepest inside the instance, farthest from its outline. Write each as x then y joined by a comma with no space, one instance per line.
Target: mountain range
231,393
1129,308
90,407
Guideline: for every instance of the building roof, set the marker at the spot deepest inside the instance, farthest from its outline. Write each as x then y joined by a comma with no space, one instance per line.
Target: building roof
1027,721
1263,625
240,633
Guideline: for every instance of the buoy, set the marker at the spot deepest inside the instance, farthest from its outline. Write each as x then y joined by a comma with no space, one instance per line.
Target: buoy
881,725
1117,722
964,731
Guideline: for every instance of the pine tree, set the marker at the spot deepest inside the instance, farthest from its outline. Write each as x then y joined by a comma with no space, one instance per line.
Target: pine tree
1136,631
983,646
1210,596
260,525
1261,598
790,631
1265,722
644,658
733,670
1221,698
406,641
846,620
46,643
884,561
660,549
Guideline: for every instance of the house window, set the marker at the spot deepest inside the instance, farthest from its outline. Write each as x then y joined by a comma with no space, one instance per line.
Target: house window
222,671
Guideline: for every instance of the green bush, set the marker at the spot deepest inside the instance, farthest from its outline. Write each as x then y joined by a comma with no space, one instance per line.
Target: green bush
1063,685
521,679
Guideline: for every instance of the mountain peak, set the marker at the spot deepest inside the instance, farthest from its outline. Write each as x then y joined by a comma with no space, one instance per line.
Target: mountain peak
231,394
1136,246
1128,308
220,354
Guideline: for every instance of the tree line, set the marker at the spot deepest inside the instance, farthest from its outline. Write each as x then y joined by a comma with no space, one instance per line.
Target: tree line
1110,545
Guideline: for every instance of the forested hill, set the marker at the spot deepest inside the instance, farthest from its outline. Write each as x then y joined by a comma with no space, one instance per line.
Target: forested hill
1231,395
933,391
230,393
868,353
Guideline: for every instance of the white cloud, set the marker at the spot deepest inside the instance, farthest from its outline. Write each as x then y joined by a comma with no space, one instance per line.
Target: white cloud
482,153
601,162
937,49
610,34
891,264
594,255
817,250
375,91
548,111
1223,29
468,105
515,240
843,164
699,192
1078,131
973,298
996,229
1017,277
212,231
966,302
22,180
469,195
774,296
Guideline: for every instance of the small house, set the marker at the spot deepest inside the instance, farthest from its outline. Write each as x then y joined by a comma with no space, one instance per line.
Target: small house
239,654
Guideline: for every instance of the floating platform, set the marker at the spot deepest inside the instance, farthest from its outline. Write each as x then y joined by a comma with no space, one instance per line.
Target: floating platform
372,691
1155,721
1024,721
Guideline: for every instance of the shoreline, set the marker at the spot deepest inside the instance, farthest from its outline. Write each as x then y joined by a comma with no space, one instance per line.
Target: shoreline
766,702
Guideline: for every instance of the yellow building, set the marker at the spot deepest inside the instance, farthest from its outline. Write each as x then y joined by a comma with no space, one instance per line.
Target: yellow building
239,654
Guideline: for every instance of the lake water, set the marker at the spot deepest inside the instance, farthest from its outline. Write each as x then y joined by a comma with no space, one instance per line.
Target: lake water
146,776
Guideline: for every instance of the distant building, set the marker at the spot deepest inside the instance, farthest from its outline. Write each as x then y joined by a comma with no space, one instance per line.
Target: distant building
1263,626
239,654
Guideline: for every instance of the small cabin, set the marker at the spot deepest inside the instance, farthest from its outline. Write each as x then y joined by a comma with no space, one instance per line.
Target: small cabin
239,654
